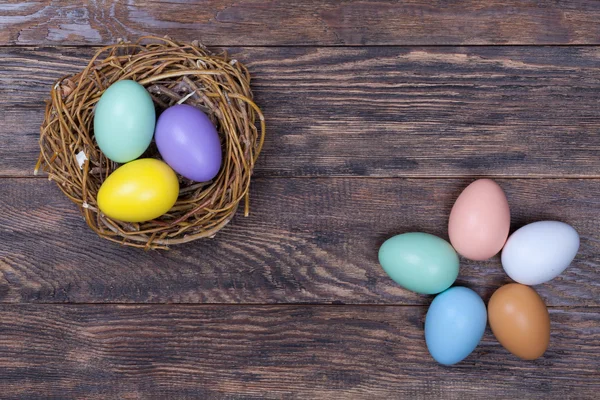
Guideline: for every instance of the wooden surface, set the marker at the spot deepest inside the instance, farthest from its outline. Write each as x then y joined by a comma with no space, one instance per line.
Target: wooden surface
424,112
306,240
306,352
310,22
378,114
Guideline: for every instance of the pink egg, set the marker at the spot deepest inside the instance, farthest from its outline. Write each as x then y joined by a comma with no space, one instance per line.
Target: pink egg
479,220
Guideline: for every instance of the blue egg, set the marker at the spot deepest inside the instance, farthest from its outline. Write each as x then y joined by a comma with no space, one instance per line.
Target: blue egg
454,324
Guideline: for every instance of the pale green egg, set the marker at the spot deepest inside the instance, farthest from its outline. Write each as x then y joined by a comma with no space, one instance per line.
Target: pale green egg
419,262
124,121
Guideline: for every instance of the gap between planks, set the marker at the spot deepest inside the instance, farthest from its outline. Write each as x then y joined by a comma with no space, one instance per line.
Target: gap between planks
270,305
324,46
257,177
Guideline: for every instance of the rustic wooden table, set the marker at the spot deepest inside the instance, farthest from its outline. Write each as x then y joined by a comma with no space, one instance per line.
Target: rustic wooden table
378,114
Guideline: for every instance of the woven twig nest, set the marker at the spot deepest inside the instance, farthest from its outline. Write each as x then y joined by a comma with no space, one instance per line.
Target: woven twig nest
173,73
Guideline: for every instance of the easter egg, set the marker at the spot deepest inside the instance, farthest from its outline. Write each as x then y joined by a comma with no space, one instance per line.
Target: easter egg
188,141
139,191
539,251
454,325
124,121
419,262
480,220
519,319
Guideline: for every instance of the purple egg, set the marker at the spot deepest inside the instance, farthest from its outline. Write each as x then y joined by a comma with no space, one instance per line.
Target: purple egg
188,141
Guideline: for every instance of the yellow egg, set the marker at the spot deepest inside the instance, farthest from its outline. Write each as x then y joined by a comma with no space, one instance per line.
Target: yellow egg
138,191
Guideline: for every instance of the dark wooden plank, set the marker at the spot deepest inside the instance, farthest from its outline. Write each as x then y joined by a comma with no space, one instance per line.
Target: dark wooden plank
279,22
377,111
307,240
304,352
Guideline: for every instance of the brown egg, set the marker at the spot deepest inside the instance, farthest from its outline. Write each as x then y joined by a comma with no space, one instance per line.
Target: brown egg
520,321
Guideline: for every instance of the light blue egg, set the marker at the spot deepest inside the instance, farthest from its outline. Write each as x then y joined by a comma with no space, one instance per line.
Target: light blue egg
124,121
454,324
419,262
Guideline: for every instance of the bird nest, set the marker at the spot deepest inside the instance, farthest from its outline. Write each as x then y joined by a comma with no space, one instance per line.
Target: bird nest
172,73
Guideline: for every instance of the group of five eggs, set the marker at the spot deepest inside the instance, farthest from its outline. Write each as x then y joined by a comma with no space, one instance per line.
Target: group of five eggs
478,229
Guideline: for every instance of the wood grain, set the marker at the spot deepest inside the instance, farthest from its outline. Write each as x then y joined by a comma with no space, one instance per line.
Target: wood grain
379,112
365,101
307,240
313,22
303,352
